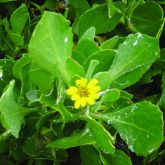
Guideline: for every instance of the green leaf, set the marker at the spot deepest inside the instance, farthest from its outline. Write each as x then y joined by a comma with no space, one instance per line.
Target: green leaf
105,58
84,49
18,19
91,68
74,68
49,50
138,51
24,60
16,39
43,79
89,155
112,43
111,96
88,34
104,79
79,139
141,122
118,158
129,78
12,113
99,18
79,7
147,22
103,138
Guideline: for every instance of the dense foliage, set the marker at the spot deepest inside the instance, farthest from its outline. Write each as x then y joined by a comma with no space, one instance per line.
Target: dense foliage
49,46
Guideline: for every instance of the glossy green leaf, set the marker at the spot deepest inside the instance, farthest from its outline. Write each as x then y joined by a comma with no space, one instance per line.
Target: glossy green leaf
88,34
112,43
111,96
12,114
49,50
78,139
99,18
84,49
138,51
141,122
103,138
18,19
105,58
74,68
147,22
129,78
118,158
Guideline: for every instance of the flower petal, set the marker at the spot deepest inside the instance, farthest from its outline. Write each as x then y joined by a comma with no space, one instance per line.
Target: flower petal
72,90
94,96
75,97
82,82
77,104
90,101
93,82
83,101
94,89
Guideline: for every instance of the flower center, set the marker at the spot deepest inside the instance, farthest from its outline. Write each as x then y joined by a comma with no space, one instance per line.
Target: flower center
83,92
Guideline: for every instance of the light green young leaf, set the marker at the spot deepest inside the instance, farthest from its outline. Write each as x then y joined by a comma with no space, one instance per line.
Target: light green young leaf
88,34
18,19
49,50
74,68
103,138
12,114
91,68
141,122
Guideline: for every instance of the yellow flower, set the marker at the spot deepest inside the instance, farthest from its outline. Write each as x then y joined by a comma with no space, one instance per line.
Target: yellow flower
84,93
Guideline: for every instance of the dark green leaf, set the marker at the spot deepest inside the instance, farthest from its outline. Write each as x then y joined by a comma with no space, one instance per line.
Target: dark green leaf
147,22
99,18
89,155
78,139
